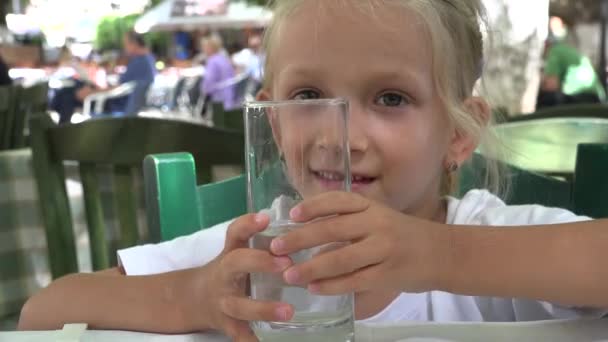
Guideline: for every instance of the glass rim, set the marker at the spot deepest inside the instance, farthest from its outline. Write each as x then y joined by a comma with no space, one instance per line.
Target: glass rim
283,103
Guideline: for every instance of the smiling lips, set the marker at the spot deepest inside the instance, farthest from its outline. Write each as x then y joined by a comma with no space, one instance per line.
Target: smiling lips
334,180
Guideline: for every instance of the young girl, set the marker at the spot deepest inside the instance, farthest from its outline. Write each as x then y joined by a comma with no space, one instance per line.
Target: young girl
408,68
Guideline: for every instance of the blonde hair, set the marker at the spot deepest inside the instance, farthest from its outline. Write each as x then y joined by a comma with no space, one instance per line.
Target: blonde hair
455,27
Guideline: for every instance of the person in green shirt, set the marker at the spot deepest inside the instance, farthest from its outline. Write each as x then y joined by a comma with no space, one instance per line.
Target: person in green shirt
568,77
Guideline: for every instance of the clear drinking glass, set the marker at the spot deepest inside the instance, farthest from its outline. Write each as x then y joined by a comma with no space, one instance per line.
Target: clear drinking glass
296,150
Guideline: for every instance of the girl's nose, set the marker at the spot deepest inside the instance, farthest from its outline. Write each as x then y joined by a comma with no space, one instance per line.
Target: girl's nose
357,136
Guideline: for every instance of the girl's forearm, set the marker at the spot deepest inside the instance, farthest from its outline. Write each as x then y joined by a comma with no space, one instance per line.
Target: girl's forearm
158,303
563,264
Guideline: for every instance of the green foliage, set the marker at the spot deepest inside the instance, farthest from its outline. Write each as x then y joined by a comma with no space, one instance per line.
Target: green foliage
111,29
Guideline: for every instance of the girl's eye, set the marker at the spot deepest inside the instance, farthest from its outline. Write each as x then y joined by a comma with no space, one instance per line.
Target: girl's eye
392,100
306,95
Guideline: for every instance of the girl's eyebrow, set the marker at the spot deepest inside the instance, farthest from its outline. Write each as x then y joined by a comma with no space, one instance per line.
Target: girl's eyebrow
372,73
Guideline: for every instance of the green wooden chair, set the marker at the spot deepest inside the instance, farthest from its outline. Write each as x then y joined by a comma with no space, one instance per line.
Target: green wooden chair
231,119
32,100
584,193
5,97
9,97
17,104
599,110
122,143
180,207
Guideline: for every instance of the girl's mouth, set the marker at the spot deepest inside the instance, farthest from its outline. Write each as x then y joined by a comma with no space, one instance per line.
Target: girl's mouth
335,180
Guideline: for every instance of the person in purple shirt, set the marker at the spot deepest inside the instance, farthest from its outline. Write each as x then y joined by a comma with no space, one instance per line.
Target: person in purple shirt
218,70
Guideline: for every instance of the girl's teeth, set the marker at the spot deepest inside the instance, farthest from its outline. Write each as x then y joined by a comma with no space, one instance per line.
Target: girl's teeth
330,176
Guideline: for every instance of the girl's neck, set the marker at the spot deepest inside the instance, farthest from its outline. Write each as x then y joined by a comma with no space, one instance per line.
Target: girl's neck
432,209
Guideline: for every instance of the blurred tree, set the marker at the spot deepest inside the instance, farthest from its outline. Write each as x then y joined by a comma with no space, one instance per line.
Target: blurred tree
112,28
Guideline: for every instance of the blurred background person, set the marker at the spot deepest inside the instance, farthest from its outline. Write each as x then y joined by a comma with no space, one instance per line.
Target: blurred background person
251,61
218,71
141,69
568,76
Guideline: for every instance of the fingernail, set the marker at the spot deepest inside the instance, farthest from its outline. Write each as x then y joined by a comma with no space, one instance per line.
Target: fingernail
291,276
282,313
277,245
282,264
259,218
314,288
295,213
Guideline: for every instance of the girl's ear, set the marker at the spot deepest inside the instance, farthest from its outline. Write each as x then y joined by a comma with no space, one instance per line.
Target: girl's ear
462,144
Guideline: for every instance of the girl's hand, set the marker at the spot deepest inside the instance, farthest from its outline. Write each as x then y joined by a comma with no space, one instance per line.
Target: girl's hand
388,250
224,293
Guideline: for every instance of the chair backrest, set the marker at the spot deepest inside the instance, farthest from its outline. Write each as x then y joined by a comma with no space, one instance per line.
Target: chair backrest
177,206
6,116
122,143
590,189
584,193
16,105
524,187
597,110
180,207
231,119
32,100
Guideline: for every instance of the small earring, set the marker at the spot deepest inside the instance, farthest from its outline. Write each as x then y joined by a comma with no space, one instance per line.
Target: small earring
453,167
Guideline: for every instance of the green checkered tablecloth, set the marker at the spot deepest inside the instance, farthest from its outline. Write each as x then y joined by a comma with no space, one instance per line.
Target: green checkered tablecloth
24,267
23,254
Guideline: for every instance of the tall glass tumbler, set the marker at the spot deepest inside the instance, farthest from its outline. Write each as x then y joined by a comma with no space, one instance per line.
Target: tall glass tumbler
296,150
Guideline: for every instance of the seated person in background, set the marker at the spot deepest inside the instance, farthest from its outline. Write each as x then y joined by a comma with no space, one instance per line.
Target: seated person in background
568,76
4,77
65,99
218,69
140,68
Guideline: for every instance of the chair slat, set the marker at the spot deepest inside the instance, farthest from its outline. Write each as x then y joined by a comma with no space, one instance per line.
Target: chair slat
31,100
171,199
125,205
54,205
591,180
95,220
5,103
222,201
9,119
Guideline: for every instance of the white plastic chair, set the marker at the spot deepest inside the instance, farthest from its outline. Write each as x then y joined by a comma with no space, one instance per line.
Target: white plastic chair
101,97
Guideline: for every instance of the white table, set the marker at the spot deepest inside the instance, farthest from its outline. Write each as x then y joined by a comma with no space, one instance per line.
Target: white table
554,331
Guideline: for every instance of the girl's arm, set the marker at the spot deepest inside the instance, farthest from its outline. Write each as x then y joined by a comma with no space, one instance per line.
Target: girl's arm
109,300
563,264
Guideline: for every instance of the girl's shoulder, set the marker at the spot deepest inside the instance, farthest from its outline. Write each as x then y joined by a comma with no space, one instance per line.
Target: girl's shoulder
480,207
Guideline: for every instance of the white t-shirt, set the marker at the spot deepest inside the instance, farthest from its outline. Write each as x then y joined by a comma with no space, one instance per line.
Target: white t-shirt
477,207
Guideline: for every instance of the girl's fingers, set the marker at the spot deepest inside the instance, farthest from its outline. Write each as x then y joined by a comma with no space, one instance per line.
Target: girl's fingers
327,204
336,263
334,229
243,228
246,260
361,281
239,331
245,309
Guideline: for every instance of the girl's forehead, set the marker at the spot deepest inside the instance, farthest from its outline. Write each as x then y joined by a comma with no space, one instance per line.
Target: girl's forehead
337,35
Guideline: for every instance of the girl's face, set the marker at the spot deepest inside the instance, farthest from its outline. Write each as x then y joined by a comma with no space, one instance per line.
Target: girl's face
381,63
